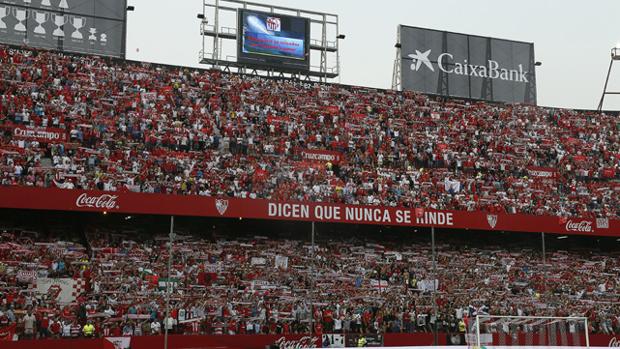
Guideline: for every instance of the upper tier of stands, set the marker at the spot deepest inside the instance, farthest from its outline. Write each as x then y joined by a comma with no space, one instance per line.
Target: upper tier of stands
183,131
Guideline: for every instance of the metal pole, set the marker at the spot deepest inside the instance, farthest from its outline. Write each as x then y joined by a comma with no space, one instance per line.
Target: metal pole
435,341
544,260
312,285
216,44
324,45
168,282
124,39
478,331
338,49
203,27
600,104
587,333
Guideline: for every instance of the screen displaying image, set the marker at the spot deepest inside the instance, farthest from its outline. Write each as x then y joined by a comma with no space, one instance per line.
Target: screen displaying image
278,39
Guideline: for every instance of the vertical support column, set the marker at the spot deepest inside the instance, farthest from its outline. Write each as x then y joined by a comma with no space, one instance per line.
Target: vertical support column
216,28
203,28
443,83
124,39
324,48
587,332
397,70
487,83
478,331
168,282
337,48
544,260
312,284
600,104
530,87
433,294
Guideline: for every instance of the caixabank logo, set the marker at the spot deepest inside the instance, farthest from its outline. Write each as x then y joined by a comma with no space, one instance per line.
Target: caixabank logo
447,64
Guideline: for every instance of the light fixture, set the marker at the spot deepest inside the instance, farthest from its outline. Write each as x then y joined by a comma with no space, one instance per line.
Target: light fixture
615,53
130,8
398,45
538,64
200,16
562,237
341,36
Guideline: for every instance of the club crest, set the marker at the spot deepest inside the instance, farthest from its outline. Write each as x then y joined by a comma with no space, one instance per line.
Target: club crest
492,220
221,205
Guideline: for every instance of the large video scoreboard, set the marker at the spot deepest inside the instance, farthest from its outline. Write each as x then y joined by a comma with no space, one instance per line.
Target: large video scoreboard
273,40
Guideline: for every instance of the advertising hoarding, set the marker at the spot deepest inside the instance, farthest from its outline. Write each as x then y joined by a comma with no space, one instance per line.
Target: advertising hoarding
467,66
80,26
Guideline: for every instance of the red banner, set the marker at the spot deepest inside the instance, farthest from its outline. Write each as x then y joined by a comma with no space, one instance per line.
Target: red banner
256,341
6,333
580,158
321,155
274,118
199,206
41,134
609,172
542,172
332,109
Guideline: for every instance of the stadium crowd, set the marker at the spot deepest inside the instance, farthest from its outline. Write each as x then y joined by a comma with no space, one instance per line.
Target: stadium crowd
145,128
255,284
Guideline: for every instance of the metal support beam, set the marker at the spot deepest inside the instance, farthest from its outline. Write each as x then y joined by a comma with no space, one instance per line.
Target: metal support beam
311,294
544,260
397,70
216,40
434,291
323,67
600,103
168,282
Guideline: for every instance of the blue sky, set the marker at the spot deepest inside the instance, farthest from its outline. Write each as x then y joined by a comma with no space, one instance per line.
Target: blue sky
572,38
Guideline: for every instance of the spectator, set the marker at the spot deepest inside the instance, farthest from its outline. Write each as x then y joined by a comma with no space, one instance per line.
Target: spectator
89,330
248,137
155,328
29,324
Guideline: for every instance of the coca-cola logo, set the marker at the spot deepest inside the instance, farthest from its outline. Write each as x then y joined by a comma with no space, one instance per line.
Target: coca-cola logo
303,342
105,201
614,342
582,227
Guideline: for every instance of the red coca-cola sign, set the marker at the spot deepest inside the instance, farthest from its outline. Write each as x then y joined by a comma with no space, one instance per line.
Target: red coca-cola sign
614,342
104,201
582,226
303,342
16,197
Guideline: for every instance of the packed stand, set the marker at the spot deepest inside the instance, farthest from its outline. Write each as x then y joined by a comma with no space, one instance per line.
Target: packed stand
144,128
260,285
